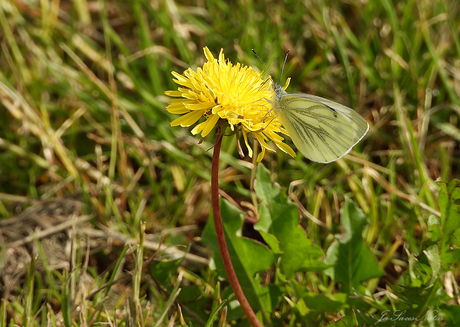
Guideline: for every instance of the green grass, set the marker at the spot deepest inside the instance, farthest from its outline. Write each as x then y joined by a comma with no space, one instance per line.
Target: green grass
84,119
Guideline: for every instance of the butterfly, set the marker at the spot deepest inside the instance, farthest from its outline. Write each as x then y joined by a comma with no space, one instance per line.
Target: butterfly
322,130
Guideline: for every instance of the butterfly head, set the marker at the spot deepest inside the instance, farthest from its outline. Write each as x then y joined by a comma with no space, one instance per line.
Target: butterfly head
278,91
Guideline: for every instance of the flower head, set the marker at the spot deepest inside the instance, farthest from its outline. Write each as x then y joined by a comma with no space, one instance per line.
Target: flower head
234,93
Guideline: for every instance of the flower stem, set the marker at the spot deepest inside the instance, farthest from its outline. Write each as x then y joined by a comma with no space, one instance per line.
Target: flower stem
221,237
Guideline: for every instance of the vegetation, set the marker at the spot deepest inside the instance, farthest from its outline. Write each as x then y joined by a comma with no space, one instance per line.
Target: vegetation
104,206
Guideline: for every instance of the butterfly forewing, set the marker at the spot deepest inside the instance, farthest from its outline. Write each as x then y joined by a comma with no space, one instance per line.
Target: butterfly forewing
321,129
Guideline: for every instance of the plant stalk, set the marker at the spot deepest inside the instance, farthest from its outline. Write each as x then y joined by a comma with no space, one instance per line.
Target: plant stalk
234,283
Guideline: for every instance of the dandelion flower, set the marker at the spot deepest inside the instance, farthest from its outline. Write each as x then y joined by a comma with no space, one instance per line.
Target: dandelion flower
234,93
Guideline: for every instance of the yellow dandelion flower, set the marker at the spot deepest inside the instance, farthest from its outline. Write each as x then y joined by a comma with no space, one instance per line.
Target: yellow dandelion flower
235,93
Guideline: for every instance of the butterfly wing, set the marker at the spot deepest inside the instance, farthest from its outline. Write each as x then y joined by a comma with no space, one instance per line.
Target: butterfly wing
322,130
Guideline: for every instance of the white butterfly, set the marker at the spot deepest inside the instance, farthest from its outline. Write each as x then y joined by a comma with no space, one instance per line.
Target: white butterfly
323,130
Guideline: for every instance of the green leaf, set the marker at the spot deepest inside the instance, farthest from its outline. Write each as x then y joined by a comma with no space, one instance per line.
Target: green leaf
347,321
434,229
321,303
353,261
449,257
279,226
318,302
248,257
433,256
451,313
449,201
163,271
190,293
417,301
449,204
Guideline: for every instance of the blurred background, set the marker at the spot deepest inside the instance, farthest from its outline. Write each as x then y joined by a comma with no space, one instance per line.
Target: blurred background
86,146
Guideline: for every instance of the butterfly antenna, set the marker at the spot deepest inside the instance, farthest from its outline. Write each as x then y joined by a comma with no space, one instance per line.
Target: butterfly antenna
273,76
284,64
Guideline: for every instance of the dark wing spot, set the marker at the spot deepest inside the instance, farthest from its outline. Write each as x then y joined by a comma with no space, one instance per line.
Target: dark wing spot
333,110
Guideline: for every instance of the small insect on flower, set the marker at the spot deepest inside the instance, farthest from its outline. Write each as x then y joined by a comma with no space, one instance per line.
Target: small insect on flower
323,130
234,93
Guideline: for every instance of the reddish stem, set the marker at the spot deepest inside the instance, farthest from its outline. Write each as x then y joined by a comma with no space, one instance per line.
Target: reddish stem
221,237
